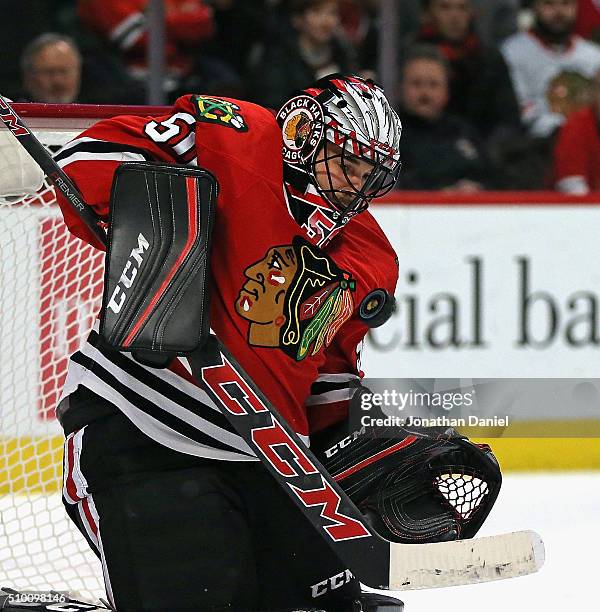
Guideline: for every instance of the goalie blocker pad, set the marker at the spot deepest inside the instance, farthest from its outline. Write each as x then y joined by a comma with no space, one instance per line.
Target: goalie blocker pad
155,301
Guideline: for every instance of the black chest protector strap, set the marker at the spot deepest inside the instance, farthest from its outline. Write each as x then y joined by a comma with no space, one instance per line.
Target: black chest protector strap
155,302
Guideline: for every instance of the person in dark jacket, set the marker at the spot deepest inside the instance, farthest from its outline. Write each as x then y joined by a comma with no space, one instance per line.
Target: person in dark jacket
481,89
442,151
314,48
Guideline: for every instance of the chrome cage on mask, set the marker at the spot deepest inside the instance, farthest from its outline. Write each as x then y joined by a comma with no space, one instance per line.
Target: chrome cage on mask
381,179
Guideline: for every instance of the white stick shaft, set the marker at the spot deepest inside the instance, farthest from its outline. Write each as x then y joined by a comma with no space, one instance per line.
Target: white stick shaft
427,566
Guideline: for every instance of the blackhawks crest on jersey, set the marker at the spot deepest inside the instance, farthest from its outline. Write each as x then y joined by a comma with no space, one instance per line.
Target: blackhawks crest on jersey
295,298
220,112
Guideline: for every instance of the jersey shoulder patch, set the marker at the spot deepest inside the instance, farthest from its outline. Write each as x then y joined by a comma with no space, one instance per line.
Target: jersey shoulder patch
219,111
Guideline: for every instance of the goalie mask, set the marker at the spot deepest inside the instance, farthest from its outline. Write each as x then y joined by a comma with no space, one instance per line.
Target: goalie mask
341,142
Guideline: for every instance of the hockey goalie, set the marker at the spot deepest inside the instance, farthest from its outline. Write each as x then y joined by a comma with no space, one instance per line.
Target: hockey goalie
180,510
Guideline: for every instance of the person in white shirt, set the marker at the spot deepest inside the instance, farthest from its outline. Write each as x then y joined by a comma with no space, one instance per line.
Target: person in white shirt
538,55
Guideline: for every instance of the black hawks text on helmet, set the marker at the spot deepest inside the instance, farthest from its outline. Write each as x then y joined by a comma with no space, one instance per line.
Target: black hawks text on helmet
337,120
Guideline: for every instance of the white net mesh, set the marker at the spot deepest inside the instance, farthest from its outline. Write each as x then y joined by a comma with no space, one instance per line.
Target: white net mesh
50,290
463,492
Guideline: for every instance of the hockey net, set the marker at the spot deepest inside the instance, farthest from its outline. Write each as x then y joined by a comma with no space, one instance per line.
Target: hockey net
50,291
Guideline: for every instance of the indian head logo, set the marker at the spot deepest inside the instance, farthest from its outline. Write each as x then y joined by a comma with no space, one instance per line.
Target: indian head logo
295,298
297,129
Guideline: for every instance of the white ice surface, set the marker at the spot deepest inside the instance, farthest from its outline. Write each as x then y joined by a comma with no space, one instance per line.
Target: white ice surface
564,508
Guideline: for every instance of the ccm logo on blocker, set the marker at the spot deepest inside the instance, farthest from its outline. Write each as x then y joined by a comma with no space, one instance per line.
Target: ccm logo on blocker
116,302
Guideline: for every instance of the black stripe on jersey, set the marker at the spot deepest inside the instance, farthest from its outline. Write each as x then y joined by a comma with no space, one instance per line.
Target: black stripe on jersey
144,405
161,386
101,147
318,388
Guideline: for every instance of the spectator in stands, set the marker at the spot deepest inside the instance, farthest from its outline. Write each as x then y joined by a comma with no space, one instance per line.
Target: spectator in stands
189,25
410,18
440,150
577,151
481,90
537,56
496,19
315,49
51,69
588,20
55,69
359,19
28,19
248,23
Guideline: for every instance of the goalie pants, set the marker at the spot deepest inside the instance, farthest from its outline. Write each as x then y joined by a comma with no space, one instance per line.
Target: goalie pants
176,532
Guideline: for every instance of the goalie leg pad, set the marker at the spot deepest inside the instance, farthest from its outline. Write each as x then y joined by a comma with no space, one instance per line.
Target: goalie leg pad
155,301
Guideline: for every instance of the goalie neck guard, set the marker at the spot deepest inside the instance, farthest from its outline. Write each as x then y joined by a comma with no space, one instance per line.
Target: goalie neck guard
341,143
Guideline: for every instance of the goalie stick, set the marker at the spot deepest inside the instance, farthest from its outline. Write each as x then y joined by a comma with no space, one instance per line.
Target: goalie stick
61,181
374,560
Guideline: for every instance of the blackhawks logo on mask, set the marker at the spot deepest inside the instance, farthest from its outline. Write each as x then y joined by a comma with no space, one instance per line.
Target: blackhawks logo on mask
221,112
301,121
297,129
295,298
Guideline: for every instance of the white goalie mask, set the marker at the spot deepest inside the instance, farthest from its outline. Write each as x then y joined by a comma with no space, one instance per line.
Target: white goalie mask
338,122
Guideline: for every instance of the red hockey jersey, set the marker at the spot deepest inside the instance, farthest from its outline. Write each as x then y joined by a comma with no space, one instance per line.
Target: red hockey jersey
123,23
577,153
285,308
